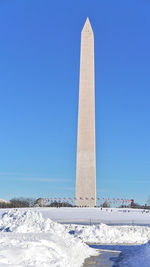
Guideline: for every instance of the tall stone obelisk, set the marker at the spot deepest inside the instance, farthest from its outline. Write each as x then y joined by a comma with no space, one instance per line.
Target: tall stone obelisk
86,156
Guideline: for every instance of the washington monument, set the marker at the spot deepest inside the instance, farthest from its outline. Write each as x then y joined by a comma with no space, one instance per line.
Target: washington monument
86,156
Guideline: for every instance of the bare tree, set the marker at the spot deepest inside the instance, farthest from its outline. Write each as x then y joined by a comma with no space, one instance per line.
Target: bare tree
148,201
22,202
105,205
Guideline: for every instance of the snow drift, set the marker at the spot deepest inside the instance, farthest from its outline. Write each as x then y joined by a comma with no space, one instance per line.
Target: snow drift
105,234
27,239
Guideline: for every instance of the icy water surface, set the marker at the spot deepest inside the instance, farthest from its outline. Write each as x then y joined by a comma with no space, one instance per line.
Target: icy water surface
112,256
106,258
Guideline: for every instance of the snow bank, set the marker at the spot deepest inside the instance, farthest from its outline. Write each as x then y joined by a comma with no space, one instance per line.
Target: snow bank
105,234
28,221
27,239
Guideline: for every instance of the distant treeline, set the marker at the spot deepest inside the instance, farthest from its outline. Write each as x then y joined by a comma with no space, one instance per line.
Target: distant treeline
31,202
136,206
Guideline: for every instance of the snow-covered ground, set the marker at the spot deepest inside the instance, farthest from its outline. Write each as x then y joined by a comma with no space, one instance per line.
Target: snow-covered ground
96,215
28,237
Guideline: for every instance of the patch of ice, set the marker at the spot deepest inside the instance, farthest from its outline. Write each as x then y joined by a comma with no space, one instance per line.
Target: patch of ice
140,257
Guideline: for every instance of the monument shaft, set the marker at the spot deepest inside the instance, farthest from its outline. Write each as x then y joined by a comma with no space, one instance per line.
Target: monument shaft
86,158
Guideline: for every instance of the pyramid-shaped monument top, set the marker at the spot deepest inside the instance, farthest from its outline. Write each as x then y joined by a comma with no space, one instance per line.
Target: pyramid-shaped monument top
87,26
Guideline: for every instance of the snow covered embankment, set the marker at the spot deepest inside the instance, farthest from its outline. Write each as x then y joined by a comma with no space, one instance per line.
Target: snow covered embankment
27,239
105,234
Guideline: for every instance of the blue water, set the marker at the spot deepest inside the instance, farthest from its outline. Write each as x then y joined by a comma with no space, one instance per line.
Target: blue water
127,254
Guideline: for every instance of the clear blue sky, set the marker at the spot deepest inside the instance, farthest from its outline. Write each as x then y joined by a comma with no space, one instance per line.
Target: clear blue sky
39,78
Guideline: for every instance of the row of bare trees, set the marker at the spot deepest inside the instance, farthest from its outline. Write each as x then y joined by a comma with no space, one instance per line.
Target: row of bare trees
30,202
